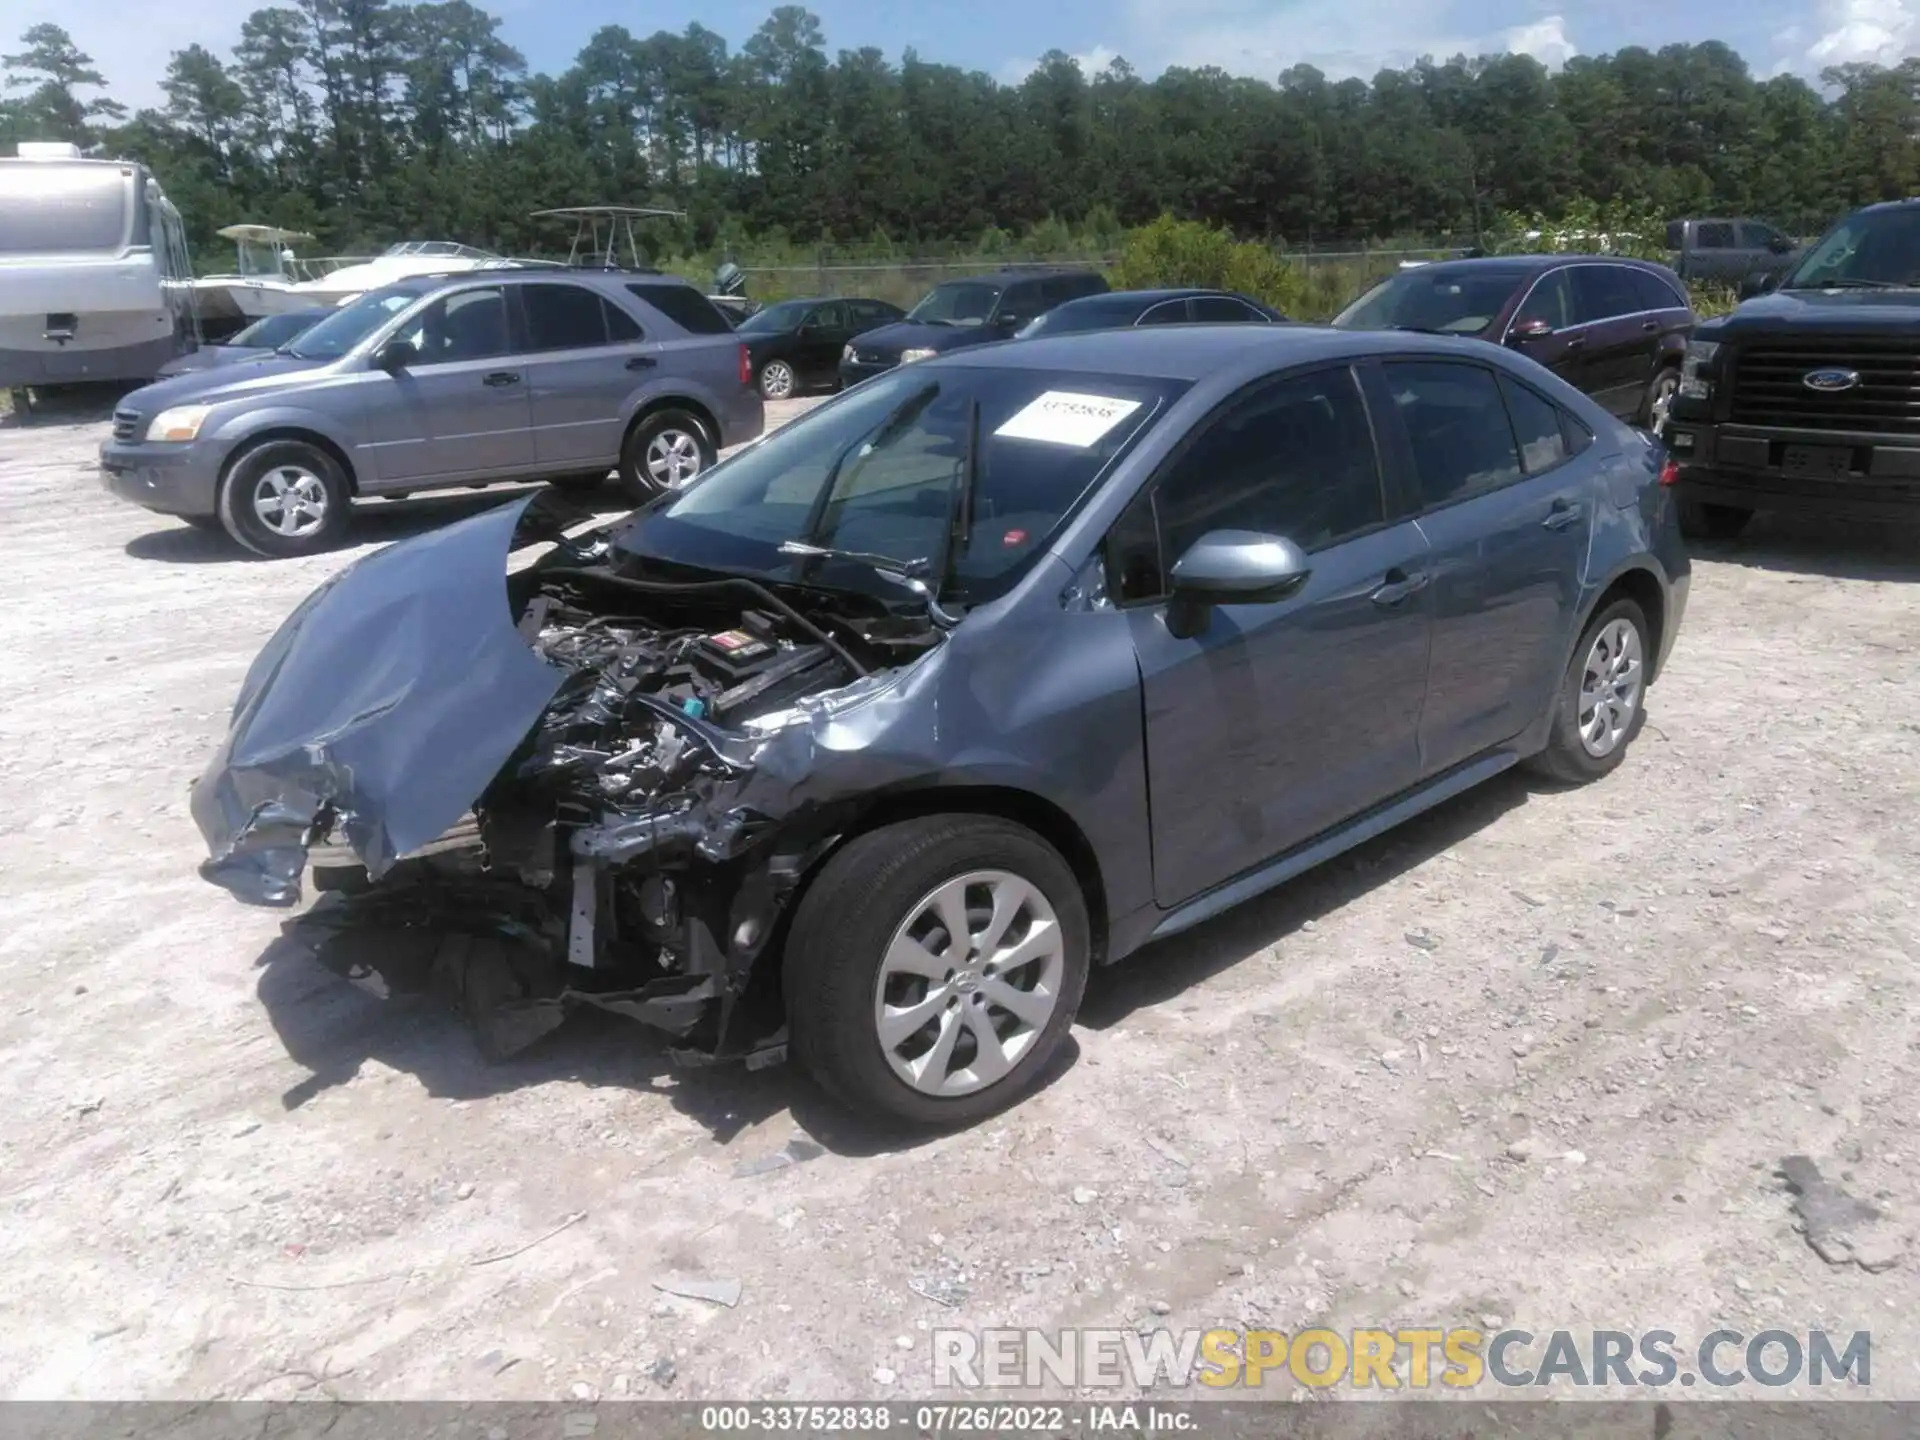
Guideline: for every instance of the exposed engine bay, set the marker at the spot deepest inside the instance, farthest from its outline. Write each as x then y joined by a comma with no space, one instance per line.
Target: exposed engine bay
637,849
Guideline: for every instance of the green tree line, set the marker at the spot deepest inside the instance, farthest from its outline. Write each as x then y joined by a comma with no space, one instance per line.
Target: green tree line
367,121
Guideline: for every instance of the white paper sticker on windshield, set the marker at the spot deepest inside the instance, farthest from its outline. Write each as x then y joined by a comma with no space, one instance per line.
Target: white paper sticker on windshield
1064,417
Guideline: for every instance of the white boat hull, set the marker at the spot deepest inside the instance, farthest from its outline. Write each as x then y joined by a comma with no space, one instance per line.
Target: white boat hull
229,298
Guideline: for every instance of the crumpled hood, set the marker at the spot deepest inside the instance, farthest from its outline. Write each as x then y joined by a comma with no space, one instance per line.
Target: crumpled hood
391,696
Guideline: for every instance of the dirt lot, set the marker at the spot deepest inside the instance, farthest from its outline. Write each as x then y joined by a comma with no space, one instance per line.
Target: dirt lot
1534,1057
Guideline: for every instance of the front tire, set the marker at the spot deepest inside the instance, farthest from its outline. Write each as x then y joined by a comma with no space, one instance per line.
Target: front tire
1701,521
284,498
664,451
900,1018
1597,707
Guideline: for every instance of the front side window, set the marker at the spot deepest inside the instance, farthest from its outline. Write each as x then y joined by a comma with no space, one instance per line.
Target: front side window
828,317
1551,300
1294,458
1714,235
467,325
1167,312
563,317
880,471
1457,425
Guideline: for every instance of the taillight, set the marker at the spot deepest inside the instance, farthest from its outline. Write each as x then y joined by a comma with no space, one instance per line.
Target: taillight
746,366
1670,472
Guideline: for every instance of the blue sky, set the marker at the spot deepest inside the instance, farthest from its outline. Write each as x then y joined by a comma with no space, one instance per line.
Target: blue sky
131,38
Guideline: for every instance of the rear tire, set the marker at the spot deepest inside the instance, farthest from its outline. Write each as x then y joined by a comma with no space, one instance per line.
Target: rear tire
1598,703
885,896
284,498
665,450
778,381
1701,521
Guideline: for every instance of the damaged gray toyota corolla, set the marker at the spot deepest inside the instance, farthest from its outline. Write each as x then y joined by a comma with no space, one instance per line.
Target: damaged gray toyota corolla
876,738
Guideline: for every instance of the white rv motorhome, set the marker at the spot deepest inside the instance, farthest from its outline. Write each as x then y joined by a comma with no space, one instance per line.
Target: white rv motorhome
95,280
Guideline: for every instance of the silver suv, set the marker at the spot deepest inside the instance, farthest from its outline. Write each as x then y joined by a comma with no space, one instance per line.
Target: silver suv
436,382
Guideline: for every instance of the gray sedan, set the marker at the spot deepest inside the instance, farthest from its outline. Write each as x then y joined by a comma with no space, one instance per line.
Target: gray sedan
873,741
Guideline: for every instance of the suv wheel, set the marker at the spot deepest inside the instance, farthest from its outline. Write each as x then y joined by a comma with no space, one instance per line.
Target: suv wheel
1701,521
934,967
1596,708
284,498
1657,403
777,380
664,451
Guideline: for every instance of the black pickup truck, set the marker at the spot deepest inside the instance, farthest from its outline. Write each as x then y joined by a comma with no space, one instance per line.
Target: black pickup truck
1806,399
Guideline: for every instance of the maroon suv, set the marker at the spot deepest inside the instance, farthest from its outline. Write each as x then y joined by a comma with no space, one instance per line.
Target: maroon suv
1612,327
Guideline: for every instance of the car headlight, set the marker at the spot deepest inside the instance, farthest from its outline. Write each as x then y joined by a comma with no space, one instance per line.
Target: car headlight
180,424
1699,358
907,357
847,357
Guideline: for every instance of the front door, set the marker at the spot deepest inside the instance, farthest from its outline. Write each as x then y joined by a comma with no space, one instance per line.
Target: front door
1565,347
1276,721
1507,509
822,338
460,409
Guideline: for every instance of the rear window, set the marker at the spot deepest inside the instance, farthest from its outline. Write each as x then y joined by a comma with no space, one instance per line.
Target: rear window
52,209
686,307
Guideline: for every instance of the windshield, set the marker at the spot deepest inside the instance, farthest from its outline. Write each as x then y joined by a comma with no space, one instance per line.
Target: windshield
962,302
785,316
1045,438
350,324
274,331
1877,248
1455,302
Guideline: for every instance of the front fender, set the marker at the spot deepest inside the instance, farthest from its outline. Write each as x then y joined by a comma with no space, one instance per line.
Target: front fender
235,435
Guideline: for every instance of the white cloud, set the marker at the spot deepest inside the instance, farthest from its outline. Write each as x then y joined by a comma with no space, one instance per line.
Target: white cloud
1343,38
1091,63
1876,31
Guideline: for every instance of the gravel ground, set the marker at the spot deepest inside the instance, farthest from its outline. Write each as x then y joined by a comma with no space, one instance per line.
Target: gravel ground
1534,1057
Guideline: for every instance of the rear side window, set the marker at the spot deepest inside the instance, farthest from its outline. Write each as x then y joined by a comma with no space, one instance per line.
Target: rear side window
563,317
685,307
1457,424
1223,309
1603,292
1654,292
1536,425
1755,236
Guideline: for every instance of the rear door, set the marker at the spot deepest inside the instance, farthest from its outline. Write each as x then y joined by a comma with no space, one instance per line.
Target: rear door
1504,503
695,353
461,410
1621,337
1281,720
581,359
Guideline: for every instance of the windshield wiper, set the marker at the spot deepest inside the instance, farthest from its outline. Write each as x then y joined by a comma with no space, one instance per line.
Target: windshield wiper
905,573
903,415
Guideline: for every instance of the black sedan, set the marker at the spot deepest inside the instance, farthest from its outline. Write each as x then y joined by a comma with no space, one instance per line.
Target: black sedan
1125,309
797,343
262,337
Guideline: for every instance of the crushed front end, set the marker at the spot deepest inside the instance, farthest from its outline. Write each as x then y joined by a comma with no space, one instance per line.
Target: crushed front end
593,786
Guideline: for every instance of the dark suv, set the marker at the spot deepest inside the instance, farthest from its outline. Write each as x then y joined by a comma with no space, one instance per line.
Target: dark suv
958,313
1806,400
1613,327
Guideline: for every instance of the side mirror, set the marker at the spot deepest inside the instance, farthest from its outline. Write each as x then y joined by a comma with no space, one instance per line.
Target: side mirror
1757,284
397,355
1532,328
1232,567
1780,245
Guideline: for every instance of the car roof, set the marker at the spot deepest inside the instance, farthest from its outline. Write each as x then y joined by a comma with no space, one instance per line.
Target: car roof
1021,272
1526,264
1193,352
